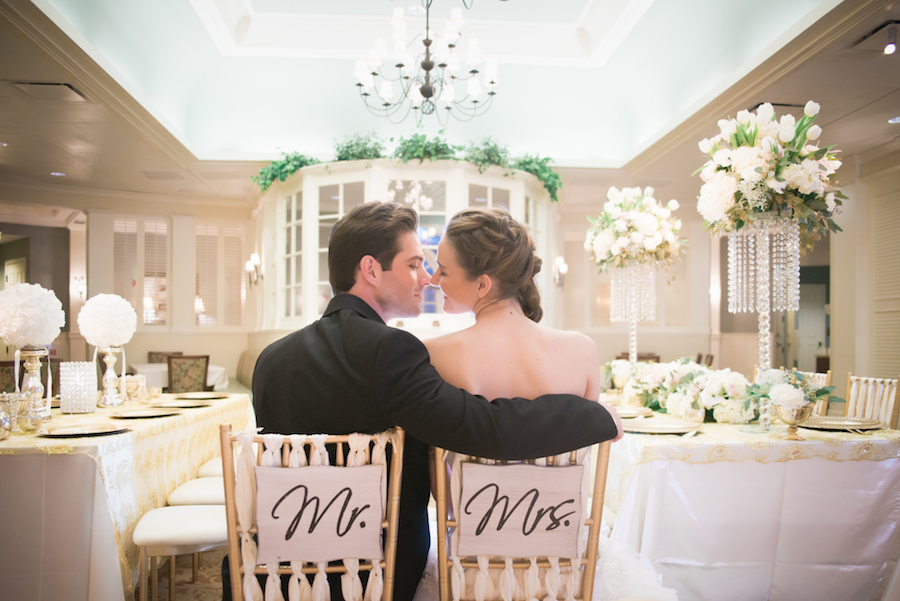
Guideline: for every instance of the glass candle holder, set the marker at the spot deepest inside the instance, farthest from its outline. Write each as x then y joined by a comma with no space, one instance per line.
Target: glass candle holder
77,386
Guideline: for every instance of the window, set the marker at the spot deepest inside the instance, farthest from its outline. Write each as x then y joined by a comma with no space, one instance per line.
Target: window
293,266
140,276
221,283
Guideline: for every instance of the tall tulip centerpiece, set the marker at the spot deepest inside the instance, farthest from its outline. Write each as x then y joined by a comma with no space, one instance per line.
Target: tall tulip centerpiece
770,187
632,237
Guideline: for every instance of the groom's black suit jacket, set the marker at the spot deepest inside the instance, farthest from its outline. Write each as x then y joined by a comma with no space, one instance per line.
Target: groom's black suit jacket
349,372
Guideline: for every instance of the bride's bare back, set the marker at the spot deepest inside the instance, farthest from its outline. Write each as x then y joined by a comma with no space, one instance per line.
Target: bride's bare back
505,354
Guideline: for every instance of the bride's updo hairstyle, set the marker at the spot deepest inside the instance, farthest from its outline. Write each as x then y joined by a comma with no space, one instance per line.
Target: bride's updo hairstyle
490,241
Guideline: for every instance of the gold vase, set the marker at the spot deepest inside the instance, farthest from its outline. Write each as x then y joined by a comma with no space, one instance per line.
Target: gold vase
793,418
32,386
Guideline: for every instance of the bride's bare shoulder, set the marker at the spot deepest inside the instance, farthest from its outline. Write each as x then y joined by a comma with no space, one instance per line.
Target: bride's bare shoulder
443,343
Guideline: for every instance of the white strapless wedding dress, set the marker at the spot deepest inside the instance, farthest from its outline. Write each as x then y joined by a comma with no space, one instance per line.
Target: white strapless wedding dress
621,574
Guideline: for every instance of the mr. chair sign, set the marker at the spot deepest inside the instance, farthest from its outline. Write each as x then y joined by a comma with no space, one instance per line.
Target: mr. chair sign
320,513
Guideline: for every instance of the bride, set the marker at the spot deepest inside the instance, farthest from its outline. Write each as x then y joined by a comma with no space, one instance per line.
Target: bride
486,266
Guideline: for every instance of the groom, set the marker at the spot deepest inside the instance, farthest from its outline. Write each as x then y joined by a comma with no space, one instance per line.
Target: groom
349,372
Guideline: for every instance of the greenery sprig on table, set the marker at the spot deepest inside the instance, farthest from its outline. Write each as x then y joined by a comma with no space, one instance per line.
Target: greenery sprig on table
368,146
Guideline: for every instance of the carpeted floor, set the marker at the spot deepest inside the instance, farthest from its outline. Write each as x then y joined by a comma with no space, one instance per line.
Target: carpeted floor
209,581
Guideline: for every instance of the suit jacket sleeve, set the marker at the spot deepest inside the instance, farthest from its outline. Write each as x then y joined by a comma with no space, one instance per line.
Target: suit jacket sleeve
414,396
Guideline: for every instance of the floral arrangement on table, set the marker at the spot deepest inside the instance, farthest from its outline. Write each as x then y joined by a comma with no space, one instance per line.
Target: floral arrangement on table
787,388
107,320
30,316
633,228
616,374
759,164
679,391
726,394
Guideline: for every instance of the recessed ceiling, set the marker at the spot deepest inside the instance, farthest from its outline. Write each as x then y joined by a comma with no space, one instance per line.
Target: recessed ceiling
586,82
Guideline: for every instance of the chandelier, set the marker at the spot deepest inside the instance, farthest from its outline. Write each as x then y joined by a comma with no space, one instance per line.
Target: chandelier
438,81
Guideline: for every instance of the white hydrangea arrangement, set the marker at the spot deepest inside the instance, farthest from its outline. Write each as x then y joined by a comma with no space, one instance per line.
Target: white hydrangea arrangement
759,163
787,388
726,394
30,316
107,320
681,388
634,228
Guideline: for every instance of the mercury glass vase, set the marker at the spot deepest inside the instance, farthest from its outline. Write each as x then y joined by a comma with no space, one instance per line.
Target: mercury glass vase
764,273
111,396
633,299
33,386
793,418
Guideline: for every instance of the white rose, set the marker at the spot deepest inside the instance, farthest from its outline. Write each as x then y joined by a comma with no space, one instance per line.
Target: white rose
620,225
813,132
637,237
722,157
651,243
645,223
811,109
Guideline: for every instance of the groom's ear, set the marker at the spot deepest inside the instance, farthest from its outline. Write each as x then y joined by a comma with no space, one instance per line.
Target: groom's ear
369,270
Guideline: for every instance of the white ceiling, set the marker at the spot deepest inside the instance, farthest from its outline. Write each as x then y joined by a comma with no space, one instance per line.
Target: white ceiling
189,97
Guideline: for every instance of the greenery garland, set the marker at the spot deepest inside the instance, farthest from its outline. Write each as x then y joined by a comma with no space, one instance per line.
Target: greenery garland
368,146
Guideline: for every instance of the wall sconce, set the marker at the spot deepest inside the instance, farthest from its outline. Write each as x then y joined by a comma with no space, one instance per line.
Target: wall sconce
560,269
891,45
79,285
254,274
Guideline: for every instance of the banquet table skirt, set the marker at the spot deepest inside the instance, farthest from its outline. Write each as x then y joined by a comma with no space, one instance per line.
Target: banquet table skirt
69,505
157,375
760,518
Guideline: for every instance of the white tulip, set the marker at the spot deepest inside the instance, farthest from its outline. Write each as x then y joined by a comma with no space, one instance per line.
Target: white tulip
673,205
705,145
811,109
743,117
728,127
814,132
786,133
764,113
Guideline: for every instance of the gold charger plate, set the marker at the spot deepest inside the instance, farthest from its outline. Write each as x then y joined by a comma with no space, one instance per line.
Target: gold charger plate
176,404
628,411
82,431
202,396
825,422
143,413
659,425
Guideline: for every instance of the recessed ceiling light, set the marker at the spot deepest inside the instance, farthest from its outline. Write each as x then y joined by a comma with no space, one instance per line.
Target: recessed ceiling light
894,120
57,174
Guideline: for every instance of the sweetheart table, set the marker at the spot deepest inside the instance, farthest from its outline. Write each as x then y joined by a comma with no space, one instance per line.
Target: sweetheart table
728,514
68,506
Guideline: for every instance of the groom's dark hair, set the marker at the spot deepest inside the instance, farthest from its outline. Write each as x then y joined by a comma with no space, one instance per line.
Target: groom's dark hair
372,228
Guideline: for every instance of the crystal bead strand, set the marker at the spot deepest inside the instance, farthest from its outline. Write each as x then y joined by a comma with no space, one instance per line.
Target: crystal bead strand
793,266
734,279
762,306
779,258
750,286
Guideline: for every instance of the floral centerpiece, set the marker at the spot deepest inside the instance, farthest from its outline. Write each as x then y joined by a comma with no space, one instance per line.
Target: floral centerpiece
760,164
616,373
679,392
107,320
726,394
633,228
787,389
30,316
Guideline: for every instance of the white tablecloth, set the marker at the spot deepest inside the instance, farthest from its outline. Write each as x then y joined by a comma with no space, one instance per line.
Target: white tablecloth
68,506
157,375
728,515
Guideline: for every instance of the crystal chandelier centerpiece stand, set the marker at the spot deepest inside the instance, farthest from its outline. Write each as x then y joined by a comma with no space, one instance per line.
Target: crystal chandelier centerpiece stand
633,299
110,396
32,385
764,276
